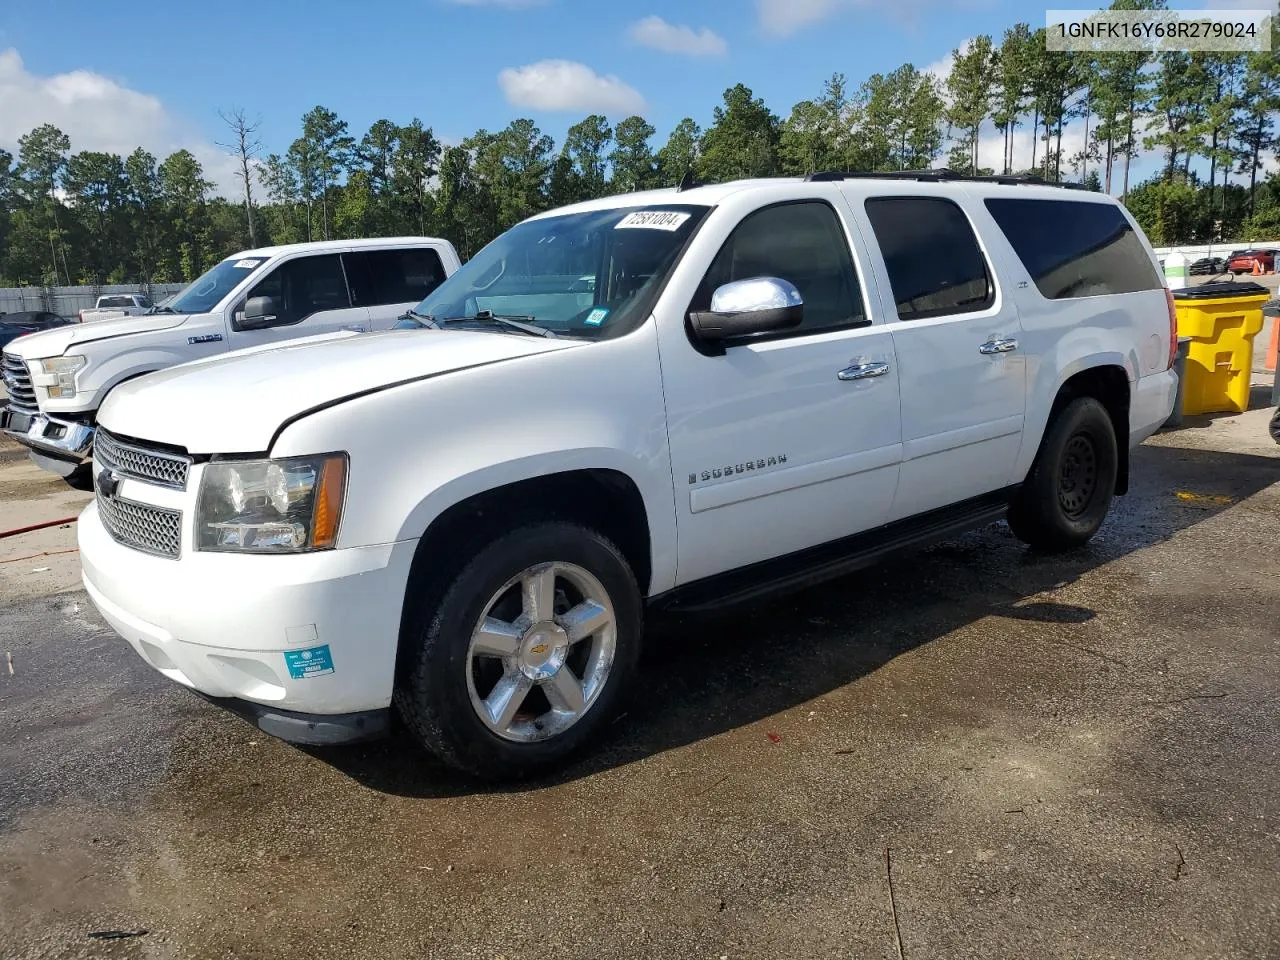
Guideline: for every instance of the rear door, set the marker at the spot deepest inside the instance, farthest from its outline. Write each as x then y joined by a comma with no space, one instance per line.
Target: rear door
958,342
313,298
389,282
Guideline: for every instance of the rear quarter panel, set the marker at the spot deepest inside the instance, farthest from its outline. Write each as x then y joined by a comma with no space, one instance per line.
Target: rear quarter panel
1064,337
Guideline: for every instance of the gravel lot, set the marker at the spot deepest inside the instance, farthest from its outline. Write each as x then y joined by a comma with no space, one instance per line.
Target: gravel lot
968,752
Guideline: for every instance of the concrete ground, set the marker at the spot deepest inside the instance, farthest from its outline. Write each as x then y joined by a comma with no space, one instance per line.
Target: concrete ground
968,752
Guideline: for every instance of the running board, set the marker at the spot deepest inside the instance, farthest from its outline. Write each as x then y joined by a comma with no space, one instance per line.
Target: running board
805,568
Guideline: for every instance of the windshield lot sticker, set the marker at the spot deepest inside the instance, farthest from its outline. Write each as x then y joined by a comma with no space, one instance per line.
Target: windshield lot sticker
246,264
312,662
596,316
668,220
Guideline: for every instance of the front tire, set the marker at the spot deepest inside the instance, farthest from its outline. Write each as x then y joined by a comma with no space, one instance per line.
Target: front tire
529,653
1068,492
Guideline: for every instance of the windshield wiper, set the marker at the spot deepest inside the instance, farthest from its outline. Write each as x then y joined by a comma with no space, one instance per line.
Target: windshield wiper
426,320
523,324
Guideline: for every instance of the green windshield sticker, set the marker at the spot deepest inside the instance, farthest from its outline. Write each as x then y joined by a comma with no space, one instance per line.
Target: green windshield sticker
596,316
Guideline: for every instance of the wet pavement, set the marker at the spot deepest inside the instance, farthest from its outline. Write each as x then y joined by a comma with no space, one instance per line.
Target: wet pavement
972,751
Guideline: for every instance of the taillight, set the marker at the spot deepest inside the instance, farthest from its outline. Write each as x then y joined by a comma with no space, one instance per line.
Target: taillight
1173,328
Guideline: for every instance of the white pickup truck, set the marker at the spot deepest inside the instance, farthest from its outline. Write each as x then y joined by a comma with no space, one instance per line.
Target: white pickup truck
111,305
762,385
56,381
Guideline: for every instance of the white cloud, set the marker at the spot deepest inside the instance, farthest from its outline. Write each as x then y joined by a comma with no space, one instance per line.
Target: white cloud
672,38
784,17
568,86
97,113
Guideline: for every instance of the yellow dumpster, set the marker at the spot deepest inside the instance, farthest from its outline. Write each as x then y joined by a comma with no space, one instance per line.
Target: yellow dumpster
1221,319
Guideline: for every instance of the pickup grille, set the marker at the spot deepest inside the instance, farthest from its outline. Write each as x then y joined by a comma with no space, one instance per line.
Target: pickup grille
17,383
151,466
154,530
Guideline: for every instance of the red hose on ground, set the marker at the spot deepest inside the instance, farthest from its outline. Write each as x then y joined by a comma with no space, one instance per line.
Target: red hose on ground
36,526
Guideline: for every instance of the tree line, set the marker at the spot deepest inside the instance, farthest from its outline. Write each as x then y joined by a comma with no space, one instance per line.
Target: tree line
94,217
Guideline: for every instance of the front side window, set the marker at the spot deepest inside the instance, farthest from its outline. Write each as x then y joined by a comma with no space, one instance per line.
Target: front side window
1089,250
936,267
304,286
379,277
802,243
593,275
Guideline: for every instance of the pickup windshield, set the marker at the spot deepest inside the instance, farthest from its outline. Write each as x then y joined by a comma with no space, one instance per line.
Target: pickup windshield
591,275
206,291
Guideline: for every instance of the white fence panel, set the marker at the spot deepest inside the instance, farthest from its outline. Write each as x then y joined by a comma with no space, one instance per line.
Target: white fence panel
66,301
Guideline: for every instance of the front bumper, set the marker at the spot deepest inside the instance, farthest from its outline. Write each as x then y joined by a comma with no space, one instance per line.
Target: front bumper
57,445
301,642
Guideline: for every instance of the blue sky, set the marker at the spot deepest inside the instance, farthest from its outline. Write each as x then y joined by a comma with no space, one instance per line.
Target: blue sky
114,74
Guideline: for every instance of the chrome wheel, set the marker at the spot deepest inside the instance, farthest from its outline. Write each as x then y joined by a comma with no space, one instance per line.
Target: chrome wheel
541,652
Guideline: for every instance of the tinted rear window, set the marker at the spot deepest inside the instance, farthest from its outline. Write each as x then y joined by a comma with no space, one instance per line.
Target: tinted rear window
115,302
405,275
1075,249
936,267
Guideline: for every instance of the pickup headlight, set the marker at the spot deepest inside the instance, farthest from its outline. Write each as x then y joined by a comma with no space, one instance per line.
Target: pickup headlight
271,506
63,371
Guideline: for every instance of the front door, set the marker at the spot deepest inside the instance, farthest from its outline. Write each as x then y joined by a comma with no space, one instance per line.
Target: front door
961,362
791,439
310,296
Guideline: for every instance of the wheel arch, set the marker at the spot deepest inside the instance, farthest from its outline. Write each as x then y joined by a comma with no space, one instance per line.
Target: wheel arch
1108,383
603,498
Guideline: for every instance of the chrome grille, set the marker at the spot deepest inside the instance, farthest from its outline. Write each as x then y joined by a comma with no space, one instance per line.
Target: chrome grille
17,383
150,466
154,530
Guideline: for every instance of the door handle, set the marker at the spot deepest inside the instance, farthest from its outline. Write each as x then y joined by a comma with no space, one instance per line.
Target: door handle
863,371
998,345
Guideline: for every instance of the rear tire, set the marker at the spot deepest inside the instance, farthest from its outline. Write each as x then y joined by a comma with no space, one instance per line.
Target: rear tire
529,653
1068,492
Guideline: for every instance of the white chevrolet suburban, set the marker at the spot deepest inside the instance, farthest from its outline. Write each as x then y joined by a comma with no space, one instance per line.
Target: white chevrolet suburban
56,381
675,399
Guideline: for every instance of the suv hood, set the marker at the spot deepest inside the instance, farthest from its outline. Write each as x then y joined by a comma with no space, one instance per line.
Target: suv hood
234,403
56,342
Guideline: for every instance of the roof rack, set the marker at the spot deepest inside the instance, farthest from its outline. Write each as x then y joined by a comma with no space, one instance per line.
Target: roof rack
941,176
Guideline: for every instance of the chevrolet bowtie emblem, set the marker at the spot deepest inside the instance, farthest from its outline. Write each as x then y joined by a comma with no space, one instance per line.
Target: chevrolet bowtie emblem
108,484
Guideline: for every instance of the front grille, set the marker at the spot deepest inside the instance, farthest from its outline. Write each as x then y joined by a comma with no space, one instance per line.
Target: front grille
17,383
151,466
154,530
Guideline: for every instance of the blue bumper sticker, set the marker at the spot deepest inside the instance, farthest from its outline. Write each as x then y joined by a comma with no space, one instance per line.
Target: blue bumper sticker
596,317
312,662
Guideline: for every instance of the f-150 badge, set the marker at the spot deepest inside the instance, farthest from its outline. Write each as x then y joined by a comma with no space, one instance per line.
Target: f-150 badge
750,466
207,338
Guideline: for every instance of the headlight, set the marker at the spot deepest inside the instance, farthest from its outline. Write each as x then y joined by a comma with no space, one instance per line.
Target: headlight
63,371
271,506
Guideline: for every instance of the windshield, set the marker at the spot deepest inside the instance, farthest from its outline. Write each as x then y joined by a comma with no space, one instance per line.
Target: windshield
590,275
206,291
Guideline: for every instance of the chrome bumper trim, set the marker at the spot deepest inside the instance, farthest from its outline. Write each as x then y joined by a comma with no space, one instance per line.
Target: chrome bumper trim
64,439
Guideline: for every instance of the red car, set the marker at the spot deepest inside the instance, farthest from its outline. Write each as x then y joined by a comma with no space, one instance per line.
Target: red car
1243,261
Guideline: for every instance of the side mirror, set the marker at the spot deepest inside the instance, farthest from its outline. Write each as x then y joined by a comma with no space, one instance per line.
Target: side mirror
260,312
744,307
